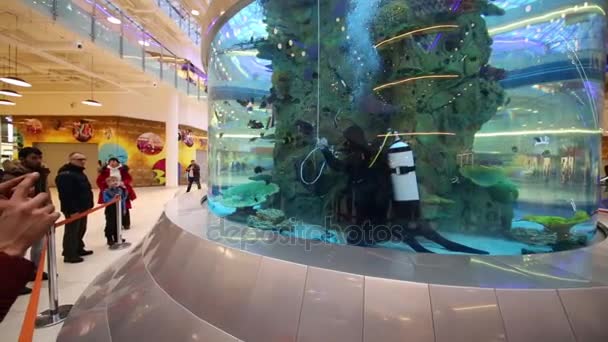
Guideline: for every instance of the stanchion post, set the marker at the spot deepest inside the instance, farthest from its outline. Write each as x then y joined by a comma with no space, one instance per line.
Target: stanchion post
55,314
120,244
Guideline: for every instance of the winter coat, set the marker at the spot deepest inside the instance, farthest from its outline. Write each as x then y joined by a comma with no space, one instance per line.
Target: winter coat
110,193
127,180
75,193
15,168
196,170
15,273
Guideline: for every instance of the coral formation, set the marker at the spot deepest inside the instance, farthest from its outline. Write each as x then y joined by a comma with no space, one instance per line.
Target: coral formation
534,237
560,225
322,80
270,219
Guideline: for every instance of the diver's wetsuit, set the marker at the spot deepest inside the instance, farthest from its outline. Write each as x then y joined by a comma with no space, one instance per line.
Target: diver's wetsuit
372,189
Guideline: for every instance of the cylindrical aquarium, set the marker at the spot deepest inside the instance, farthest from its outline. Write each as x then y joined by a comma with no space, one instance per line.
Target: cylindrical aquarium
437,126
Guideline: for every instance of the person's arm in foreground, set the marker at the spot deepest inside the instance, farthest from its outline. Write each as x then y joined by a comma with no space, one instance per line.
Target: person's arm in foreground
23,221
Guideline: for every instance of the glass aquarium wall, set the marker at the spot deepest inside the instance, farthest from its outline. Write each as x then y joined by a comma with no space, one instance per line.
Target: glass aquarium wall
434,126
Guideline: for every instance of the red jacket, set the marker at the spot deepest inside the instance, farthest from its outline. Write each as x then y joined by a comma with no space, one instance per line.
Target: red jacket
15,273
126,179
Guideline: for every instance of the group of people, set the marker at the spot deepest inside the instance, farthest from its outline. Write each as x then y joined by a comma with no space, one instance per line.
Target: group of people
27,213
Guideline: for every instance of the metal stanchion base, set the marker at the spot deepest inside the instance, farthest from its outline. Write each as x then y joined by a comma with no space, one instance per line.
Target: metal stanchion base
46,319
122,245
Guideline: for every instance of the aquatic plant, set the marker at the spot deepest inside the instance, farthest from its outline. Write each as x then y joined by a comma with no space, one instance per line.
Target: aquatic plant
484,176
559,225
248,195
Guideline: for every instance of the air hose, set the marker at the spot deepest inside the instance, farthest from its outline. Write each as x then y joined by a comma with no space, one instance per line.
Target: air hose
302,168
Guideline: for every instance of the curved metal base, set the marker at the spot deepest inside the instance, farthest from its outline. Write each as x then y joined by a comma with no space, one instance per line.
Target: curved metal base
119,246
331,292
47,319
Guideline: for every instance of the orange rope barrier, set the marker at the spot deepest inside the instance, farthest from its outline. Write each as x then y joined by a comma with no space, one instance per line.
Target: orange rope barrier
29,321
86,213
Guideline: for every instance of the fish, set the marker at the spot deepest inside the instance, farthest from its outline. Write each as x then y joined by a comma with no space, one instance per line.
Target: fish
288,139
259,169
304,127
541,140
336,118
255,124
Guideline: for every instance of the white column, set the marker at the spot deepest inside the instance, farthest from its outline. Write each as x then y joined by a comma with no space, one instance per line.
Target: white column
171,142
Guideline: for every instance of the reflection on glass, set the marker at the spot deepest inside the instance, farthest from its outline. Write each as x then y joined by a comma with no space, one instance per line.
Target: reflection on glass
423,125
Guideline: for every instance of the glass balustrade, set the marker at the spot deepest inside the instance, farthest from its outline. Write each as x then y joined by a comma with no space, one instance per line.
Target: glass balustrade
106,25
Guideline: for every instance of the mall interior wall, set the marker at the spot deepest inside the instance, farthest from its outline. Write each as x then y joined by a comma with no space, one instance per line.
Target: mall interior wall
131,127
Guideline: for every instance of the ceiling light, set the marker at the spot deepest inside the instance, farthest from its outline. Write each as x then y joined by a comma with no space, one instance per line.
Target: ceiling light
92,103
143,43
4,102
8,92
195,13
114,20
16,81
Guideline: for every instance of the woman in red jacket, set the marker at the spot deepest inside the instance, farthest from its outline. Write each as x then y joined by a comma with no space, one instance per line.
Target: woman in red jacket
114,168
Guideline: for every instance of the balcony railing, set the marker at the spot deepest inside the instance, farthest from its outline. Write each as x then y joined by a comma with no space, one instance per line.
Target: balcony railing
106,25
188,24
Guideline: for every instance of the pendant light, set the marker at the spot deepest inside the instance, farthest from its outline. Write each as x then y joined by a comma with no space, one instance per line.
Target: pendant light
14,80
91,102
8,91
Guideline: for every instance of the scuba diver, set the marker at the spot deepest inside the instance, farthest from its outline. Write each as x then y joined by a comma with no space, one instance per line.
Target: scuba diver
377,186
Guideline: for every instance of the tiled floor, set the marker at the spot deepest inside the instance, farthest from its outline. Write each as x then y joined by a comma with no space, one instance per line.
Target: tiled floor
74,278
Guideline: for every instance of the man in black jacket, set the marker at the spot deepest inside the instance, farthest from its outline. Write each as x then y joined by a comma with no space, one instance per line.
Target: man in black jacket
76,196
194,175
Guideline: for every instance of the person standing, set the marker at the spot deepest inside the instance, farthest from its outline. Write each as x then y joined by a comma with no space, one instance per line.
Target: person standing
76,196
121,172
194,175
30,161
114,189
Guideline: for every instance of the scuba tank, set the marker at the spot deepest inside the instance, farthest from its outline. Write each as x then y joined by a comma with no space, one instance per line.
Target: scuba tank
403,172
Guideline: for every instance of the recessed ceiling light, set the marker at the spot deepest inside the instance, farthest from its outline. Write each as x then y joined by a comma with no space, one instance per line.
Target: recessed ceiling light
8,92
16,81
114,20
143,43
195,13
4,102
91,103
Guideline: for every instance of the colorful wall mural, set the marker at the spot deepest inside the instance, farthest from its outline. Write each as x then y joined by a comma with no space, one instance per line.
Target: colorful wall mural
190,140
136,143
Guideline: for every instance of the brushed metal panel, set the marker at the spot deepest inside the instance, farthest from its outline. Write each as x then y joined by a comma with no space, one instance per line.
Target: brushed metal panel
332,308
140,310
397,311
466,314
534,315
587,310
85,325
273,310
